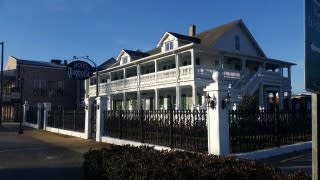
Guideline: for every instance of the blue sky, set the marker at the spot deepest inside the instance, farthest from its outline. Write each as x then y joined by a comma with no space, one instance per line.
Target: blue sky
61,29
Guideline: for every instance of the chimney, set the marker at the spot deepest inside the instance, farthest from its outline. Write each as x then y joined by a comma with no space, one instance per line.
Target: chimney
192,30
56,61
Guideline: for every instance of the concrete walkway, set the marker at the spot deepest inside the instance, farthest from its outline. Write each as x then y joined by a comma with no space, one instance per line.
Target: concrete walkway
37,154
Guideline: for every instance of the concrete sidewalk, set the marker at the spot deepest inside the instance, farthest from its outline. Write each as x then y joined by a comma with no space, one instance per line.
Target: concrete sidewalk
37,154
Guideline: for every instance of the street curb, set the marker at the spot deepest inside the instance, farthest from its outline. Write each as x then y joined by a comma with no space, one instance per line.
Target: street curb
276,151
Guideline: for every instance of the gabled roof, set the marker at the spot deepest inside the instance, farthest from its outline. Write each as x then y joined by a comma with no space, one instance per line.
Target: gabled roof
179,37
136,54
212,35
184,37
108,63
133,54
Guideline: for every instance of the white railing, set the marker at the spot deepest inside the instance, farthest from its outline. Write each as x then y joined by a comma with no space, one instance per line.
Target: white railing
102,88
203,72
130,82
116,85
270,77
185,72
231,74
147,79
92,90
167,75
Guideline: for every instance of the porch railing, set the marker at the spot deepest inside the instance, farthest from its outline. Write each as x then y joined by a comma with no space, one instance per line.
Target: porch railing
250,131
182,129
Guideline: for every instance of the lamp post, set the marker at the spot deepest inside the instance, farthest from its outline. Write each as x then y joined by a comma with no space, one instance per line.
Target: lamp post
96,67
1,82
20,131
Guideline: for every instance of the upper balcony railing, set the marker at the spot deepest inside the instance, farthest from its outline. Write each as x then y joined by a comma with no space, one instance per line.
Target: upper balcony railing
185,73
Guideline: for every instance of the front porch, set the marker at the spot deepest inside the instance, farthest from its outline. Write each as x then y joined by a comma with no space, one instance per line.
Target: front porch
186,97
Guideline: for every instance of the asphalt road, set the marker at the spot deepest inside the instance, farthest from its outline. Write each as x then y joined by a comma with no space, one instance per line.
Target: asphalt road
37,154
296,161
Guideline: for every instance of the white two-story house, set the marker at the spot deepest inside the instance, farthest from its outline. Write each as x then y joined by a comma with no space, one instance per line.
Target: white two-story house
174,74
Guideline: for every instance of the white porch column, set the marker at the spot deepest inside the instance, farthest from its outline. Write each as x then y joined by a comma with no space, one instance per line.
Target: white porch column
88,112
138,99
109,102
194,95
243,66
124,100
156,99
178,97
289,74
101,106
289,101
221,61
124,78
280,94
192,54
86,85
261,96
25,111
217,118
138,89
39,108
155,70
47,108
178,89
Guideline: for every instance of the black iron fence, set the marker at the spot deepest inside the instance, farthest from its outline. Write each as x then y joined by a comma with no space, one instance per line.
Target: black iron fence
257,130
184,129
67,119
32,115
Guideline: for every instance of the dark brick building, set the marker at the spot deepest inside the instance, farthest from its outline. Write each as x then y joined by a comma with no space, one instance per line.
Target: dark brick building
36,82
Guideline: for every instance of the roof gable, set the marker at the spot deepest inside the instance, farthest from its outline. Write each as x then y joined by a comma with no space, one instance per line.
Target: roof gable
107,63
133,54
211,36
179,37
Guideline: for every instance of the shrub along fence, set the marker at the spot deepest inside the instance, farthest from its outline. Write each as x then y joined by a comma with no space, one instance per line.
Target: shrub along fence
257,130
67,119
183,129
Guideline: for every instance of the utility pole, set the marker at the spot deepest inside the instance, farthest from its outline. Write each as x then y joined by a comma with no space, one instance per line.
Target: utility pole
1,81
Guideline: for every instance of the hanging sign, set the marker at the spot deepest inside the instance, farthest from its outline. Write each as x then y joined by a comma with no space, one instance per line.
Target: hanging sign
79,70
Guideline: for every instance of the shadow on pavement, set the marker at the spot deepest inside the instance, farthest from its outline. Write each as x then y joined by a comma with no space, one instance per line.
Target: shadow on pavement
42,173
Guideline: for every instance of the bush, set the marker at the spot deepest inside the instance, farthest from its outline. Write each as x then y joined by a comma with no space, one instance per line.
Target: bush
126,162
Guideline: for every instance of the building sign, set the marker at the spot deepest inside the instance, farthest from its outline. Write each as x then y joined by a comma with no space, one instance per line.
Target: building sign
312,45
79,70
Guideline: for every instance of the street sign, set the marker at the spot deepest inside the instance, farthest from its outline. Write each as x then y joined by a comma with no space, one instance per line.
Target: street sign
312,45
79,70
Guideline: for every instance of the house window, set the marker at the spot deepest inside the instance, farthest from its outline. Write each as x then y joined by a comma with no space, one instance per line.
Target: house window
168,45
59,88
197,61
40,87
237,43
124,60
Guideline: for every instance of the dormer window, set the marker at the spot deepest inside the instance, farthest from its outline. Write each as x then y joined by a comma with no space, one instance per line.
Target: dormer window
168,45
124,59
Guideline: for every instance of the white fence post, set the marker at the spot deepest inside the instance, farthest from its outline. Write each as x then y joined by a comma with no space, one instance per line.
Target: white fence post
217,117
101,107
47,108
88,112
25,111
39,106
